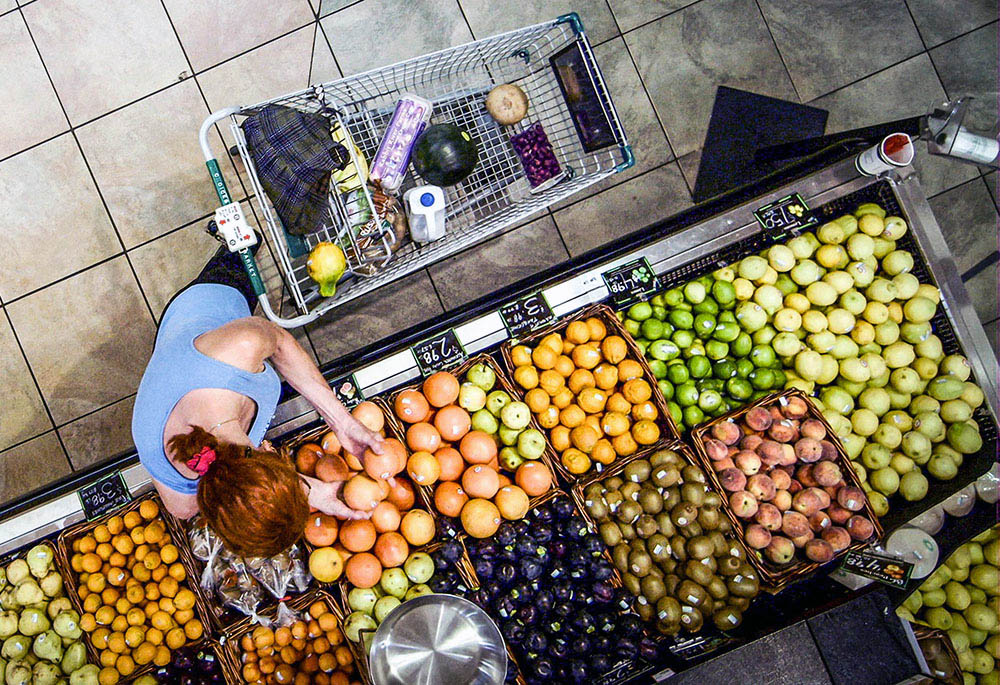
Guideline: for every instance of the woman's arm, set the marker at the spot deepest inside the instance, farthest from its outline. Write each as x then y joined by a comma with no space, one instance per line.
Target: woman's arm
181,506
325,497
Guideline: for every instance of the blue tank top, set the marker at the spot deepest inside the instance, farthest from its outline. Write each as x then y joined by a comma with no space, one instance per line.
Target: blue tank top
177,367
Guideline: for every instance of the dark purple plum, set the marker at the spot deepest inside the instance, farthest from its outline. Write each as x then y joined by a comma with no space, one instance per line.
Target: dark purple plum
559,647
562,508
580,645
514,632
505,573
484,569
626,648
602,592
600,663
505,534
536,642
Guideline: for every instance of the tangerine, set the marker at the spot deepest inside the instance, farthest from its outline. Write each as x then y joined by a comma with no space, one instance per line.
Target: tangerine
559,437
417,527
537,400
605,376
603,452
480,481
618,403
520,355
385,518
358,535
614,348
480,518
637,390
564,366
512,502
584,438
370,416
526,376
551,381
575,461
586,356
391,549
645,410
451,463
580,379
629,369
592,400
578,332
614,423
597,328
423,468
549,418
533,477
572,416
624,444
563,398
544,357
363,570
554,342
645,432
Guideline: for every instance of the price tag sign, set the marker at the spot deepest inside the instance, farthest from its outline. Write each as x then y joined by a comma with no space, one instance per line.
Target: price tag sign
781,217
107,494
689,648
525,315
631,282
347,391
439,353
887,570
624,670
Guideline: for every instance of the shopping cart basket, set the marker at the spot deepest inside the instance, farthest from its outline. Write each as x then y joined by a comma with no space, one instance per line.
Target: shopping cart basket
552,63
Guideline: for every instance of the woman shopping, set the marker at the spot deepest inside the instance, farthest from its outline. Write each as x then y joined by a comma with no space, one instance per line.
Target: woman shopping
205,401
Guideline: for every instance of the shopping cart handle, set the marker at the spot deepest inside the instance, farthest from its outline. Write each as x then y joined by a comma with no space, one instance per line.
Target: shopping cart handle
206,149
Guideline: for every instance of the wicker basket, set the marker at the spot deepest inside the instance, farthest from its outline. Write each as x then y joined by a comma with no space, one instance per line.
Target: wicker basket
233,652
668,429
924,635
64,550
775,578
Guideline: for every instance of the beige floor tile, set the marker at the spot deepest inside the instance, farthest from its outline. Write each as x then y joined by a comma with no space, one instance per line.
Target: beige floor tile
376,33
23,412
87,338
149,166
55,221
324,67
99,436
30,111
215,30
31,465
102,54
167,264
486,19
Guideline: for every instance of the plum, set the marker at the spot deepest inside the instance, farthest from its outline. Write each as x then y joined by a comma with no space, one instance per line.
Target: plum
743,504
757,536
820,521
782,500
795,408
808,450
811,428
781,479
826,473
716,449
781,550
838,538
727,432
751,441
748,462
733,480
860,528
768,516
758,419
838,514
783,431
851,498
807,502
794,524
761,486
819,551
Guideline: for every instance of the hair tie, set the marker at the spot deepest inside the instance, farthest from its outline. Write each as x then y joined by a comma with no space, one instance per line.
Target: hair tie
200,462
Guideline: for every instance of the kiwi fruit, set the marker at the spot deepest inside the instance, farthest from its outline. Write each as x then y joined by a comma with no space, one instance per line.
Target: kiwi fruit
650,500
628,512
740,603
671,497
639,563
691,618
692,474
698,572
627,531
632,583
666,524
683,514
690,592
619,556
716,587
724,525
630,491
677,547
594,491
710,563
742,586
614,499
700,547
691,530
653,588
712,500
638,471
736,550
693,493
645,526
598,509
728,566
669,565
670,582
665,476
610,534
727,618
668,610
659,458
720,543
708,519
658,545
646,611
613,483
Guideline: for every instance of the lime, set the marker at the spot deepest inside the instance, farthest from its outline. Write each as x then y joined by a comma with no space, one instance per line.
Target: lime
693,416
668,329
726,331
726,317
685,394
709,400
673,297
675,413
683,338
704,324
632,326
664,350
679,318
742,345
779,379
716,350
656,301
744,367
762,379
699,366
658,368
640,311
667,388
762,355
659,312
694,292
724,369
642,344
695,349
652,329
723,292
764,336
757,394
739,388
677,374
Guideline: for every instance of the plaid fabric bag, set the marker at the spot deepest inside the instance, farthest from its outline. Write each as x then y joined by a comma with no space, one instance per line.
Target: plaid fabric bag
295,156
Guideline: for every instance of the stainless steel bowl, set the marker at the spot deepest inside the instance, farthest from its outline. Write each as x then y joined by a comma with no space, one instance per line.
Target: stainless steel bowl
437,639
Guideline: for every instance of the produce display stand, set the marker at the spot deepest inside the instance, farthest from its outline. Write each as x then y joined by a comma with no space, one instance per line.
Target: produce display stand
676,248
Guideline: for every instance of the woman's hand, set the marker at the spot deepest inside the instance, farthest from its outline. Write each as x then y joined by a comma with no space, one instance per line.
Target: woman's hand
355,438
326,498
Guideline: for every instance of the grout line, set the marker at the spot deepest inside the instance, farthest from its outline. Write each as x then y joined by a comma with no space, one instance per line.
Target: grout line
777,49
430,278
339,9
329,46
562,239
653,21
461,10
675,161
94,411
312,53
927,50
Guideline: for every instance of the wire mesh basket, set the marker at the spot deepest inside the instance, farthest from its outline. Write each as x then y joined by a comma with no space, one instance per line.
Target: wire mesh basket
552,63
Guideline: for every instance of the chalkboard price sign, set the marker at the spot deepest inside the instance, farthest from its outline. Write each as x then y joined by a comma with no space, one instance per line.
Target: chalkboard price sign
107,494
526,314
892,572
438,353
781,217
631,282
347,391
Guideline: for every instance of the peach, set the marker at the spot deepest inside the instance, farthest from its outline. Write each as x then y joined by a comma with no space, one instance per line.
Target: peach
829,450
776,414
801,540
748,462
783,431
807,502
826,473
795,408
750,442
824,498
788,457
780,551
716,449
758,419
768,516
723,464
860,528
757,536
781,479
769,452
838,538
782,499
811,428
808,450
743,504
804,475
728,432
732,480
761,487
794,524
838,514
831,490
795,487
820,521
851,498
819,551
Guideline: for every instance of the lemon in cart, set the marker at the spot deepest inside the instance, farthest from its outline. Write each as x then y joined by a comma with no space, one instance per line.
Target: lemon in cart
326,265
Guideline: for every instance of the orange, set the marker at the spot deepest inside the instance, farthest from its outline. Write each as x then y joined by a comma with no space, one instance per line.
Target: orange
624,444
105,550
575,461
645,410
423,468
512,502
572,416
603,452
637,390
526,376
578,332
584,438
580,379
629,369
562,398
132,518
560,438
544,357
645,432
597,328
537,400
568,346
480,481
614,348
168,554
184,599
452,422
175,638
441,389
592,400
614,424
451,462
91,563
422,436
116,643
117,576
478,447
564,366
534,478
124,665
594,421
553,341
162,657
417,527
551,381
99,638
115,524
363,570
101,533
134,636
618,403
520,355
549,417
480,518
586,356
449,498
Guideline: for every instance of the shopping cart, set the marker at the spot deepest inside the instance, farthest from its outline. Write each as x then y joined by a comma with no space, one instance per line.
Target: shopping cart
553,63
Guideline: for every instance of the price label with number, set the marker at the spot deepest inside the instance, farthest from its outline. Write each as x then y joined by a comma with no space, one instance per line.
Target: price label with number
347,391
781,217
526,314
103,496
439,353
887,570
631,282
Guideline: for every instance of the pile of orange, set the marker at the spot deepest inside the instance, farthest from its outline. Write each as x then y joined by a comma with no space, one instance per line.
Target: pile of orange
310,650
362,548
460,463
136,602
588,393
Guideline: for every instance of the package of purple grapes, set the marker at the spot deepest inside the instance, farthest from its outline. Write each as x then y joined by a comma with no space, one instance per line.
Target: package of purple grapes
537,156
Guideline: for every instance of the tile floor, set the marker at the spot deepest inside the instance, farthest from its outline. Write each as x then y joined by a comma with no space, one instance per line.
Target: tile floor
103,99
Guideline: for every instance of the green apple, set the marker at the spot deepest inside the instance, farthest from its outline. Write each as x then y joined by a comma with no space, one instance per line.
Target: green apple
515,415
419,567
471,397
483,376
384,607
484,421
395,582
509,458
496,401
508,436
417,590
531,444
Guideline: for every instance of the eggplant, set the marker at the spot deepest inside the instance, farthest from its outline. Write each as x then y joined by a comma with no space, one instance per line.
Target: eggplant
505,573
